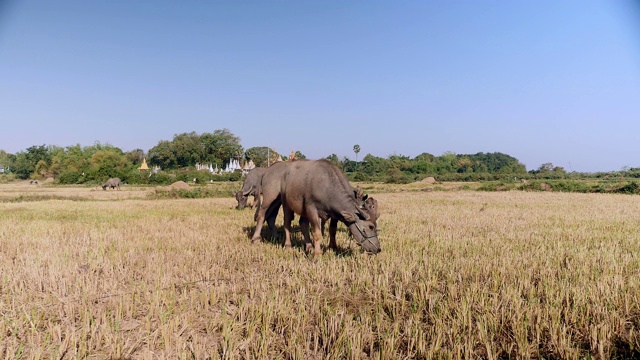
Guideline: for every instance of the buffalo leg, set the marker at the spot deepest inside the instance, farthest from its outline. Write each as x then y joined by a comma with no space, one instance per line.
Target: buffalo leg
271,216
333,227
288,217
304,228
261,213
317,235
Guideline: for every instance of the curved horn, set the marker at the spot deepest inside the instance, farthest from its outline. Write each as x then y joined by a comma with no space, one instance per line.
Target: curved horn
246,193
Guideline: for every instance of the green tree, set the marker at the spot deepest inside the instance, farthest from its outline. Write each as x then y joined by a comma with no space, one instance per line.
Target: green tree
42,168
109,162
262,156
76,158
447,163
465,165
374,165
546,167
400,162
356,149
26,161
135,156
6,159
221,147
424,164
346,164
495,163
163,155
187,149
334,159
299,155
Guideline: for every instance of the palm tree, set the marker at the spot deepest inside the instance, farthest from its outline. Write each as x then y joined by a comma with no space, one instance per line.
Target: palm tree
356,149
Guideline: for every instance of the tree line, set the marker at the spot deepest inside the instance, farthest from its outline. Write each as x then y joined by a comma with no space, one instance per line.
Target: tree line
177,159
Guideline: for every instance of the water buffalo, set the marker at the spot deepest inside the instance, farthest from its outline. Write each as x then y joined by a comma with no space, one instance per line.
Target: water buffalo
250,186
112,183
269,206
317,190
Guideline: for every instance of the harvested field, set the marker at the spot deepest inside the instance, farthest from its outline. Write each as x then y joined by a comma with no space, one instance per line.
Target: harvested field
462,274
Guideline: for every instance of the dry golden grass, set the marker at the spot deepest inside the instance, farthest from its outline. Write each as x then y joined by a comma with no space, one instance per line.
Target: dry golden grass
23,190
462,275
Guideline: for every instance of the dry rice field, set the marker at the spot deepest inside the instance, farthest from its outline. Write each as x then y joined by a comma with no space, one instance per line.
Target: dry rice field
462,274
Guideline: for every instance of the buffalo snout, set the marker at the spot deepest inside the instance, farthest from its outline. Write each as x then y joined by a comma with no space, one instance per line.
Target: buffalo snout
242,200
364,232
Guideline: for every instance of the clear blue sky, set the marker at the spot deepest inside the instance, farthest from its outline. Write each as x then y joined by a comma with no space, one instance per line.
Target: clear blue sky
543,81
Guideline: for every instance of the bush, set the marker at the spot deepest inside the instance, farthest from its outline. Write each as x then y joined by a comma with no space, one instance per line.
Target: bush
496,186
396,176
160,178
193,193
629,188
70,177
570,186
6,178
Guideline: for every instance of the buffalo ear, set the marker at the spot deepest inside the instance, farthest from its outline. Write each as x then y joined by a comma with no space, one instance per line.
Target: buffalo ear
349,217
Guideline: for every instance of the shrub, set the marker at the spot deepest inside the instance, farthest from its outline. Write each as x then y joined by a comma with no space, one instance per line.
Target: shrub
70,177
496,186
6,178
570,186
193,193
629,188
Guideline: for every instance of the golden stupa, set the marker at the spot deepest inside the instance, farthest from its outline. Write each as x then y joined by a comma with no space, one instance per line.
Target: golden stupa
144,166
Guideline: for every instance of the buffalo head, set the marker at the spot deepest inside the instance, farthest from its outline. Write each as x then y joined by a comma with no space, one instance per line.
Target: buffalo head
363,231
242,197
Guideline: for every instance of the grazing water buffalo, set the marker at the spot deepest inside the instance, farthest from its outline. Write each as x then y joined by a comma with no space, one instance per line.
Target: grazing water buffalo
250,186
269,206
112,183
317,190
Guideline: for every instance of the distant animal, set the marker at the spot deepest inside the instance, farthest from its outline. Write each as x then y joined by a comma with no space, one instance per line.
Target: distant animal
317,190
112,183
250,187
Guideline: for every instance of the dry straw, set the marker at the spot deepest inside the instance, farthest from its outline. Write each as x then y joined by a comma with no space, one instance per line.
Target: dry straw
462,275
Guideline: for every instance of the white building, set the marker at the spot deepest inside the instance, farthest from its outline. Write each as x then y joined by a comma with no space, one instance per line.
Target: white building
231,167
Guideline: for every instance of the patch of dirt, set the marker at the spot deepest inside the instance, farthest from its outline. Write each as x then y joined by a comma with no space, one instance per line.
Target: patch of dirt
49,180
546,187
179,185
429,180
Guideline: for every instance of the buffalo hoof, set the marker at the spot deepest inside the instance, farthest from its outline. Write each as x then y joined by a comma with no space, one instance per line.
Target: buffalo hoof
256,241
